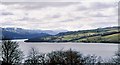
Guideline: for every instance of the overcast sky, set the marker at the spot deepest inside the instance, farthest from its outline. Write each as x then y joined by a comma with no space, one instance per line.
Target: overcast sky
59,15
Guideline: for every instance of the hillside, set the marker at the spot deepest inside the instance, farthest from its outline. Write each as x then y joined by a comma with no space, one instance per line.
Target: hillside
100,35
19,33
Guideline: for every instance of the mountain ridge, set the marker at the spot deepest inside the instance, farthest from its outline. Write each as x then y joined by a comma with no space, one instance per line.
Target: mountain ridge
20,33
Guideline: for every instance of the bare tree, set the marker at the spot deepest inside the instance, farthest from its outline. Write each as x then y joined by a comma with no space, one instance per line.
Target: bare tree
68,57
116,58
56,57
0,50
73,57
0,53
35,58
93,59
11,53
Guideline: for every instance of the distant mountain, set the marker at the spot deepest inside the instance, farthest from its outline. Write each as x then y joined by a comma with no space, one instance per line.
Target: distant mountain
19,33
100,35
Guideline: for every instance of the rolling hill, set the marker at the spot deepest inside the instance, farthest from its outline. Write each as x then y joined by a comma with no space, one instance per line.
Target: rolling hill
99,35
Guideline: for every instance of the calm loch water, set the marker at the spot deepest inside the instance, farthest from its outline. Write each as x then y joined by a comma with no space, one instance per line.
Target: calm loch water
105,50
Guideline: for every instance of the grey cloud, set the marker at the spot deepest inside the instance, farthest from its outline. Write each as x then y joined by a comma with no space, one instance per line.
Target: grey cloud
28,19
119,9
99,15
119,13
23,19
39,5
54,16
81,8
97,6
6,13
42,0
7,24
67,20
73,19
103,24
35,6
102,5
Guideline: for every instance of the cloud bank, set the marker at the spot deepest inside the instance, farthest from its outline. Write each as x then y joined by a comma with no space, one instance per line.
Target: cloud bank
59,15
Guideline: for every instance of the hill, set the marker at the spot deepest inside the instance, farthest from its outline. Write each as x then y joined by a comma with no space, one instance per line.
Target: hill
100,35
19,33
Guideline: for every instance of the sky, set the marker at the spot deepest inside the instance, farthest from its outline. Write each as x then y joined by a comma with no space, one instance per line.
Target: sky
63,15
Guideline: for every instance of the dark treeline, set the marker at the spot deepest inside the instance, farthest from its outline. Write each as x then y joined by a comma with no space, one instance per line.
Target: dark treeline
12,55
